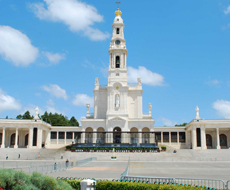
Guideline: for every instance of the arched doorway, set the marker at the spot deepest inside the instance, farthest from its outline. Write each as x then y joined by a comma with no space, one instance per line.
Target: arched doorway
134,135
100,135
26,139
89,135
208,141
117,135
145,135
12,139
223,141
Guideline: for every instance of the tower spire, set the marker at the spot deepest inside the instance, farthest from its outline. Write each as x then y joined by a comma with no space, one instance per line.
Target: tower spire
118,2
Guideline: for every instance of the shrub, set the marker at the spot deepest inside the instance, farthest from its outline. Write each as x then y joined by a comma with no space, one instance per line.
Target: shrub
74,183
68,147
163,147
15,180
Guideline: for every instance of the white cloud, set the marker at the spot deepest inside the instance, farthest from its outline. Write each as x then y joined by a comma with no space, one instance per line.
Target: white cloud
222,107
168,122
50,102
55,90
147,76
54,57
82,100
77,15
227,11
213,82
16,47
52,109
8,102
88,64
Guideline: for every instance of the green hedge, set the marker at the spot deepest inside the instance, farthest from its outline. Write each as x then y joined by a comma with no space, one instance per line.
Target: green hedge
114,185
16,180
163,147
117,148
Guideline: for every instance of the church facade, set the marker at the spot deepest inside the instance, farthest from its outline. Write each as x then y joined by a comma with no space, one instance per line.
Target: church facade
118,119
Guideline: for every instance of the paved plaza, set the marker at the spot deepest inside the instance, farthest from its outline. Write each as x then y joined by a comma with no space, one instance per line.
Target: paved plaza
211,164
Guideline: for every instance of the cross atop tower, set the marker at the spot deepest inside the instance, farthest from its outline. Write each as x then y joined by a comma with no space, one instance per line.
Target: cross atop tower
118,2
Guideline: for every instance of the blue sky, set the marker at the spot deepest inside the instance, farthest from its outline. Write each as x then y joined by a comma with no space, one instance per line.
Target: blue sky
51,51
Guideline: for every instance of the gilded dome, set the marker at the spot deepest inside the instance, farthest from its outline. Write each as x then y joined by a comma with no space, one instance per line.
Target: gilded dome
118,12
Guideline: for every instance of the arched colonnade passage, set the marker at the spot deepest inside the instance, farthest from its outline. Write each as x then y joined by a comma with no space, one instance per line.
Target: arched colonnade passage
223,141
132,137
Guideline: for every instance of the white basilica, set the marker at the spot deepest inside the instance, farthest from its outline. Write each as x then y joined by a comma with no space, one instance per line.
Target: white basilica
117,119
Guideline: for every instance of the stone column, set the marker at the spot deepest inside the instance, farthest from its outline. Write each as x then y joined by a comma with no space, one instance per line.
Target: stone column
73,140
139,136
111,137
65,137
16,139
128,138
170,138
83,137
194,138
57,136
152,137
94,136
3,137
31,137
161,137
39,138
203,138
217,139
47,143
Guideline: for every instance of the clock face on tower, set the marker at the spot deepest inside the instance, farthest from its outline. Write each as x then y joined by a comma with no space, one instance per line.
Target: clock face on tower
117,42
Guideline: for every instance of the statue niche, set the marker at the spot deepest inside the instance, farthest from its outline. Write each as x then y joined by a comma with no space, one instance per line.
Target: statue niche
117,101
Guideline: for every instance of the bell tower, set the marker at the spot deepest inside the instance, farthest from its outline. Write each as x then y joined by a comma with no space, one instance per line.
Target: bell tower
117,52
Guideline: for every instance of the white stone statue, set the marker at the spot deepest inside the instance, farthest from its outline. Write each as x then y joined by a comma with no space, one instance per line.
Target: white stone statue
197,113
36,113
96,81
117,100
150,108
139,81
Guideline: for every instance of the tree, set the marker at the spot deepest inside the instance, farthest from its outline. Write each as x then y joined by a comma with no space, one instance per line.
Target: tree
19,117
27,115
181,125
73,122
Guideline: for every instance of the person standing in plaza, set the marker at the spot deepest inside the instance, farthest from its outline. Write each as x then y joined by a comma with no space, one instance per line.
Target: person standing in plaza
61,156
55,166
7,157
67,163
19,156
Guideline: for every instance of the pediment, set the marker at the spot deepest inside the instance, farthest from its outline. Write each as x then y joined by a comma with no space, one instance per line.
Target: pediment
117,119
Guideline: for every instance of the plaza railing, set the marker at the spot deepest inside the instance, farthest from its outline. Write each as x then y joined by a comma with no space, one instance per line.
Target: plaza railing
208,183
44,169
213,183
85,161
126,172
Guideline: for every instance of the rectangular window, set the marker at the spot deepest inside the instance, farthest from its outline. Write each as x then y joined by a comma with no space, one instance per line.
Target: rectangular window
182,137
61,135
69,135
35,137
118,30
165,136
158,137
198,140
173,136
53,135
